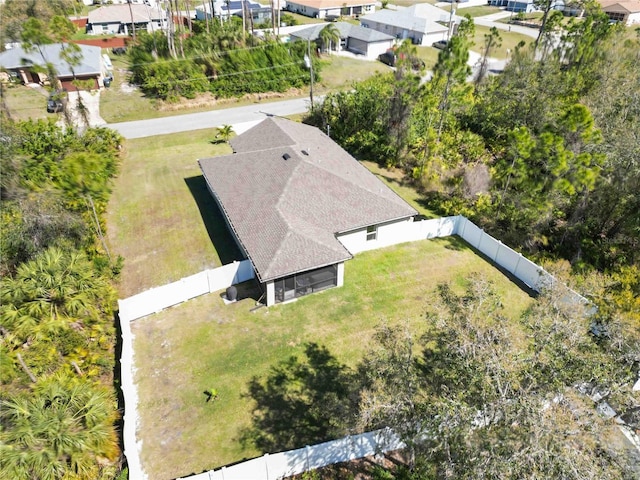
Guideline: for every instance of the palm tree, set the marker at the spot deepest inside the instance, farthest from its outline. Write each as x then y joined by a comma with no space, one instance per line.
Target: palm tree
50,293
62,429
224,132
328,36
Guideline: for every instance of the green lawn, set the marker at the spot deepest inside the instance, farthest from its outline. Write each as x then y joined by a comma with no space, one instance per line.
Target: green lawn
154,219
26,102
477,11
202,344
509,41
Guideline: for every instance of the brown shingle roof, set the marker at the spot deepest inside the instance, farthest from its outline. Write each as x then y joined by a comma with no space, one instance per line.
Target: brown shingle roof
286,212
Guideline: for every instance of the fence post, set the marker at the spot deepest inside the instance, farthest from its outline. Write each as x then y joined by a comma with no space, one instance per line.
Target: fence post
306,451
266,464
515,269
495,258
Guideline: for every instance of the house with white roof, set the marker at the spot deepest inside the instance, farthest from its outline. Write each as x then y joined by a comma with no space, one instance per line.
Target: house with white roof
423,23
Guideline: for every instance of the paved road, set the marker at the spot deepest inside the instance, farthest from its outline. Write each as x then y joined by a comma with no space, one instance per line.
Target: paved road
241,118
490,21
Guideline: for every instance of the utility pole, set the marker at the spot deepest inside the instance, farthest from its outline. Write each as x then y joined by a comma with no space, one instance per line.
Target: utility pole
309,63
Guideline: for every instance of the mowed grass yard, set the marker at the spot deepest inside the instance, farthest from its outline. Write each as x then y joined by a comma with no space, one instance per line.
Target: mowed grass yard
161,217
203,344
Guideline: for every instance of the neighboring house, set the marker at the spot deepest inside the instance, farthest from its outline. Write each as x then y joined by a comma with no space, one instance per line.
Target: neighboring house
299,206
525,6
331,8
626,12
423,23
355,39
118,19
30,66
223,10
109,2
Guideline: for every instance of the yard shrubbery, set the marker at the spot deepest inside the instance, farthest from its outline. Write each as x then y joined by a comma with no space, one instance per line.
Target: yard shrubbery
222,61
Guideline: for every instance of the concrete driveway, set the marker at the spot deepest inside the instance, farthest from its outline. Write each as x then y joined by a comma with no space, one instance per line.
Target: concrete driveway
91,104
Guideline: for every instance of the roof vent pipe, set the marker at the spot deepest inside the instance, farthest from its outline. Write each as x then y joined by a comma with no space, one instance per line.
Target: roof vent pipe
304,152
286,156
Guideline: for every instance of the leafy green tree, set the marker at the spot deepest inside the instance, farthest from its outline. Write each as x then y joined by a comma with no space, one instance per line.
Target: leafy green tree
492,40
64,429
359,119
492,398
406,89
451,70
16,13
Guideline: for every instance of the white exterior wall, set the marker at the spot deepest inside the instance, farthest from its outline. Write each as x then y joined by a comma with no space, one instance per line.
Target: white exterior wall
270,288
369,50
387,234
633,18
340,279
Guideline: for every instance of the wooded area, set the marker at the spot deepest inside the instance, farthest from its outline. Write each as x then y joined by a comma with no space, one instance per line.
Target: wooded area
59,408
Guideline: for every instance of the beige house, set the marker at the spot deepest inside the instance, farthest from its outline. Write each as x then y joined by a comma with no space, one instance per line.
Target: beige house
626,12
331,8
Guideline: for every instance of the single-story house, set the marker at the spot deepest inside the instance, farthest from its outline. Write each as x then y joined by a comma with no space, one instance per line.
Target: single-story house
525,6
626,12
222,9
29,66
118,19
423,23
299,206
331,8
353,38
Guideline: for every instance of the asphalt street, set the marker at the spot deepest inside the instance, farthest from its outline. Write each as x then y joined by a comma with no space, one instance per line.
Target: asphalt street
241,118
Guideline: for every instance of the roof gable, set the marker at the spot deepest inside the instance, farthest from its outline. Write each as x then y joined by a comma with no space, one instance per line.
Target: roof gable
287,202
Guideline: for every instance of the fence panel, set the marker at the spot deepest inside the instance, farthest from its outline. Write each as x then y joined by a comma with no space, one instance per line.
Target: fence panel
508,259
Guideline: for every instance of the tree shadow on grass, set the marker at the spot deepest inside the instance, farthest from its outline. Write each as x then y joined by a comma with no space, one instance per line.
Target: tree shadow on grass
214,222
301,402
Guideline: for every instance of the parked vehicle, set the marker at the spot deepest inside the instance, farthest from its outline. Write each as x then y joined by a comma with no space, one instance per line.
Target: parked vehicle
440,44
390,58
119,50
56,101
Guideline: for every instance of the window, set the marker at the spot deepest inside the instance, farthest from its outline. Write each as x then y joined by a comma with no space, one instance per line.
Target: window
372,232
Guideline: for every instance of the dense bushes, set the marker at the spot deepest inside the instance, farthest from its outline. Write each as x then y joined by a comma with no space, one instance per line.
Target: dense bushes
57,335
224,62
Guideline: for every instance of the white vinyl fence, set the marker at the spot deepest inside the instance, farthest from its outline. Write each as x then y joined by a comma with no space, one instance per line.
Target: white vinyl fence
159,298
152,301
285,464
297,461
